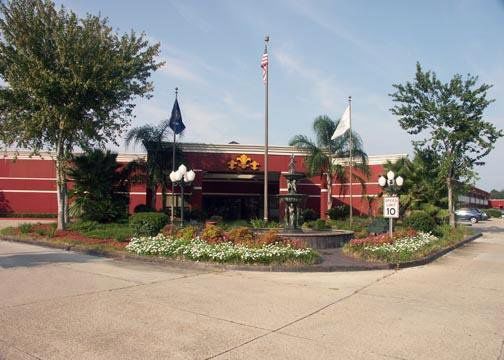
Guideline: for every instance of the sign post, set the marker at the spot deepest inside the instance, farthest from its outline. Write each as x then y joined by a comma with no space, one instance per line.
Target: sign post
391,210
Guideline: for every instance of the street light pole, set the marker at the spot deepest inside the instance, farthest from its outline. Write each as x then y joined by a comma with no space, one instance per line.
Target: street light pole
182,177
391,185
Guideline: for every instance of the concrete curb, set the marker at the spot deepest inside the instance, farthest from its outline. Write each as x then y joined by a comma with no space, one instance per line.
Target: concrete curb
187,264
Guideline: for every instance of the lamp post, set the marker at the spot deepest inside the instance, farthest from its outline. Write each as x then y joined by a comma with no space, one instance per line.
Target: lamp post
391,185
182,177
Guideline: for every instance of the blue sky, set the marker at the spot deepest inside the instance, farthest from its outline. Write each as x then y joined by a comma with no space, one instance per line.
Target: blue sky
320,53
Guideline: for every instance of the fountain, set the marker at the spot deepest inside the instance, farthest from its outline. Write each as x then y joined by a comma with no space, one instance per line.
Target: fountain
292,199
323,239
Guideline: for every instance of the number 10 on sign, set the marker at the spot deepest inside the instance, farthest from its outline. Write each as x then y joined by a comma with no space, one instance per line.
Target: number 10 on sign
391,207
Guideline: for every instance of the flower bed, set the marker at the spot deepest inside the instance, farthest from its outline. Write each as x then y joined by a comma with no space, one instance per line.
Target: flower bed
199,250
404,246
47,233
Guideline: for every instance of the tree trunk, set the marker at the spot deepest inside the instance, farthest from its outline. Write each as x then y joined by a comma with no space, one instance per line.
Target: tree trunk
450,202
61,187
150,195
163,197
153,195
329,191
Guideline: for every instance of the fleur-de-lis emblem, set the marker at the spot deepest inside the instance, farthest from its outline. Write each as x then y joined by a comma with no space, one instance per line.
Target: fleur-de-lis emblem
243,162
254,165
232,164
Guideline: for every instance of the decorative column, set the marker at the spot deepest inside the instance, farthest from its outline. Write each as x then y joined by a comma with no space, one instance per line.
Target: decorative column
197,191
323,198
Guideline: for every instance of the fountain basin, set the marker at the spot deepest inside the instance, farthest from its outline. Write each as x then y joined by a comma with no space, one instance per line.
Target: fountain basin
323,239
328,239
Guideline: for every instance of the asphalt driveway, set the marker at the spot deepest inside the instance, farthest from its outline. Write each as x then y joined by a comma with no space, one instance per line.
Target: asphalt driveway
62,305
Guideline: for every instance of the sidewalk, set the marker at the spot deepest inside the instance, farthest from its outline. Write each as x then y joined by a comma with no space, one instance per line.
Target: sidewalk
7,222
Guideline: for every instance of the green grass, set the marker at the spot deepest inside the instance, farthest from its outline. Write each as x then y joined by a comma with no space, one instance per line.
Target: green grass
8,231
92,229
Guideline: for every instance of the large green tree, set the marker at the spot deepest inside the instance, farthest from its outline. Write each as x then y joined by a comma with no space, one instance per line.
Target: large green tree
496,194
451,117
324,154
159,162
70,82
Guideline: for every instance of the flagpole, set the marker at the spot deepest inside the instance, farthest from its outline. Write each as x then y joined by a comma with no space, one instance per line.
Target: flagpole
266,40
351,160
173,169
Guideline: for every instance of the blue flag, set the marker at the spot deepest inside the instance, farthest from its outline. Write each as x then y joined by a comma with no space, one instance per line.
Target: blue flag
176,123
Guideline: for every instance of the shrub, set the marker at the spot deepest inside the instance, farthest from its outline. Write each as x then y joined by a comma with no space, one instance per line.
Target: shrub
233,224
147,224
197,215
442,230
212,234
361,234
442,216
52,230
430,209
240,235
309,215
318,224
187,233
495,213
216,218
449,234
263,224
420,221
141,208
338,212
25,228
272,237
268,237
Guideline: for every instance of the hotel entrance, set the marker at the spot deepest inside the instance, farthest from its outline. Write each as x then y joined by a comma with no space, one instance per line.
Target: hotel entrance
239,196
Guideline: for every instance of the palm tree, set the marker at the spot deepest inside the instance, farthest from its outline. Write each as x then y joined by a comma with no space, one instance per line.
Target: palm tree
422,184
159,158
323,152
99,187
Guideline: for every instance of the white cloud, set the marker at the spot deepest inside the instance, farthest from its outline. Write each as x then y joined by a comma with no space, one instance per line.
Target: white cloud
180,69
204,124
322,84
191,15
339,28
239,109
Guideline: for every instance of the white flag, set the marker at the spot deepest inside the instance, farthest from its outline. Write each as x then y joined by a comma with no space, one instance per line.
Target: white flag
343,125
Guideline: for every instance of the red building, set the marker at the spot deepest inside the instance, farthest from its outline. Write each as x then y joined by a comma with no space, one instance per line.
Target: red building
496,203
229,182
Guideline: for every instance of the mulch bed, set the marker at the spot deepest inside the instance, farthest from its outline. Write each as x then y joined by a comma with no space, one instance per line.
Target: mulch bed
62,236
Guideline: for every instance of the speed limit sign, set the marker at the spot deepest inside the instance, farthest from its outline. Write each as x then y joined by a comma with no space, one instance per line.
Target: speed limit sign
391,207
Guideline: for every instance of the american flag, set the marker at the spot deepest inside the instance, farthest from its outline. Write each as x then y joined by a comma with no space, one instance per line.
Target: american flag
264,65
